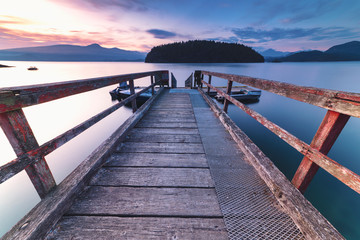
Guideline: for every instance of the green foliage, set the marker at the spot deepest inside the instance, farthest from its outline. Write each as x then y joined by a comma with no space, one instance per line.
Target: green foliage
201,51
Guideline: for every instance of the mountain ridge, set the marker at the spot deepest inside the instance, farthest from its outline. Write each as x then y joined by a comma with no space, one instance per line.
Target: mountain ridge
66,52
349,51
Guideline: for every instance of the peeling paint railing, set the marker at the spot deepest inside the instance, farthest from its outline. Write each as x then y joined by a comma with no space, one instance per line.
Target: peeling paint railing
340,105
30,156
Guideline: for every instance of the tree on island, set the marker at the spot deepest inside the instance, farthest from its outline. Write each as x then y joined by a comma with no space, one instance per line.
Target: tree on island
201,51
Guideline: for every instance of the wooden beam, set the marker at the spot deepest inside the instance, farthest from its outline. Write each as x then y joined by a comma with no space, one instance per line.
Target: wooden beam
343,102
152,86
209,81
19,97
345,175
44,215
228,91
132,92
22,139
325,137
309,220
17,165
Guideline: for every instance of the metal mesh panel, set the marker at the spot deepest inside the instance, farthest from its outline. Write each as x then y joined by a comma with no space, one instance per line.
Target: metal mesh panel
250,210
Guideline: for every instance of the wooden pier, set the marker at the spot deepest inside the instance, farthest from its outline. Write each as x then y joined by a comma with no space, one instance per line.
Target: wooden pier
178,168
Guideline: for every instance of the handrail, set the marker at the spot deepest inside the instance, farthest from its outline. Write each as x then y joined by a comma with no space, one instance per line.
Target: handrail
19,97
338,101
333,123
30,156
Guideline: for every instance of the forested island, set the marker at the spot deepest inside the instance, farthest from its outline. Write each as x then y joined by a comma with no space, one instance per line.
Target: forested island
201,51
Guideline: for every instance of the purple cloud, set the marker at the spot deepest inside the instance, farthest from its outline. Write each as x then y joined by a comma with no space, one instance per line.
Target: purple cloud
315,34
161,34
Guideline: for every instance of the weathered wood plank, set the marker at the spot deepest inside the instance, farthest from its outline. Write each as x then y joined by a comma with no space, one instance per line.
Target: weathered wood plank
325,137
153,177
172,111
169,119
160,147
22,139
308,219
109,228
147,202
164,106
338,101
165,138
152,124
157,160
173,114
345,175
57,202
25,159
156,131
30,95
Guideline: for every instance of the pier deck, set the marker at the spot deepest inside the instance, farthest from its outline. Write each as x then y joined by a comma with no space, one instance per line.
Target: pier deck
177,175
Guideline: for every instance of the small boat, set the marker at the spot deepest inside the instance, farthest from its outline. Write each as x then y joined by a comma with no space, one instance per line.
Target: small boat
244,94
32,68
123,91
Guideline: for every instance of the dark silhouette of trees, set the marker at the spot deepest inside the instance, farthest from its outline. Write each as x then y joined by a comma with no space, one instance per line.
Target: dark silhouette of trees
201,51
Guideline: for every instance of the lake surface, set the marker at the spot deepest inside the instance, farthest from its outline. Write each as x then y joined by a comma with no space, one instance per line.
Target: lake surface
338,203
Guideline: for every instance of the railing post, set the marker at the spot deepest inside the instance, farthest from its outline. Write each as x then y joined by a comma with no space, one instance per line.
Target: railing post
22,139
132,91
228,91
152,82
208,90
325,137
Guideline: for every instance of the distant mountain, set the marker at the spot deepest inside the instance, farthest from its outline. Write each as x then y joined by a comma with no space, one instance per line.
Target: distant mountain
198,51
93,52
273,53
344,52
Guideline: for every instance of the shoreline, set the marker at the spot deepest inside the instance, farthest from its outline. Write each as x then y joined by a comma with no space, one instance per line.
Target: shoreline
4,66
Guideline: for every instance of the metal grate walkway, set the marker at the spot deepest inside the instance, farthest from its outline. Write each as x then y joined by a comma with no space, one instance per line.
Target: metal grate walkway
178,175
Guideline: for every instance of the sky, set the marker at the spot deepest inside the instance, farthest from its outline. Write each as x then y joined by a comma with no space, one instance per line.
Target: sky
283,25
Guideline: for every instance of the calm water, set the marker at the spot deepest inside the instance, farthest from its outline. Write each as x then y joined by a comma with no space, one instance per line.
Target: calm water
332,198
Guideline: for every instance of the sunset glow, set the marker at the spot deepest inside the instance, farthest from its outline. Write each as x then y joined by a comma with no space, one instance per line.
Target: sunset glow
140,25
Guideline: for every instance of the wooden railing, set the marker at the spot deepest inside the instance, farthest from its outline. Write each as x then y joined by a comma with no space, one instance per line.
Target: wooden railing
30,156
340,105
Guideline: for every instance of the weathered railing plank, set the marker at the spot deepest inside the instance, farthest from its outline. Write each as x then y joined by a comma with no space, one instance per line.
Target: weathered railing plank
22,139
311,223
14,123
324,139
346,176
19,97
17,165
45,214
342,102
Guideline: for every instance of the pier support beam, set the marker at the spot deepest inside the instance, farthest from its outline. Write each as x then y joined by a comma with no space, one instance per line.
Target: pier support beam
22,139
324,139
228,91
132,92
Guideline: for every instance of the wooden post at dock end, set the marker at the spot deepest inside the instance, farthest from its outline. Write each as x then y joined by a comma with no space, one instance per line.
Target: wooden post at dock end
208,89
173,81
152,82
188,81
324,139
22,139
132,91
228,91
197,78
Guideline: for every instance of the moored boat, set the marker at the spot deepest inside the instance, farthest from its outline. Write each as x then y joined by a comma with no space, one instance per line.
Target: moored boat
123,91
244,94
32,68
